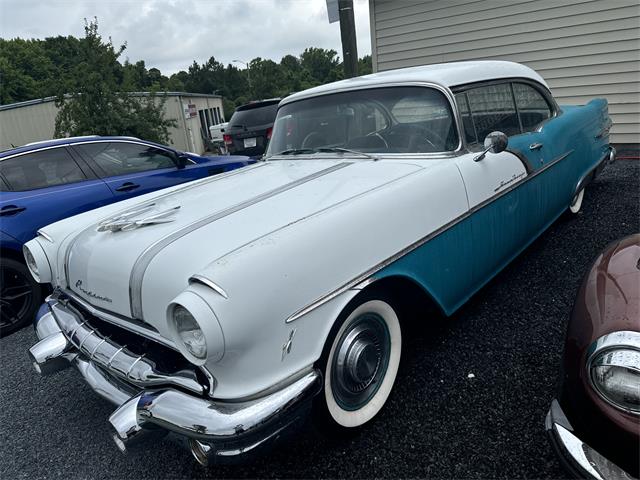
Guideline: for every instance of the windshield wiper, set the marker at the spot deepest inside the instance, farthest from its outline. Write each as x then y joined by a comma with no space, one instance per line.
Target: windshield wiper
303,151
296,151
345,150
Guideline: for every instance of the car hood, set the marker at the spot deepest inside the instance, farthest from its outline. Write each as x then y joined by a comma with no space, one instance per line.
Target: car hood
186,229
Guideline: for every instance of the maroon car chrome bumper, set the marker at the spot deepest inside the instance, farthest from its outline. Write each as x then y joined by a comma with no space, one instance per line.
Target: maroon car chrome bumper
578,458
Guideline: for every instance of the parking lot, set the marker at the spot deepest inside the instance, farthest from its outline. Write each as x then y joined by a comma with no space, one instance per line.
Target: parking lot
470,399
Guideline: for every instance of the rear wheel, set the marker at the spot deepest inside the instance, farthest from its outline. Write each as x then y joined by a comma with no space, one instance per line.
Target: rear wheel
360,364
20,296
576,203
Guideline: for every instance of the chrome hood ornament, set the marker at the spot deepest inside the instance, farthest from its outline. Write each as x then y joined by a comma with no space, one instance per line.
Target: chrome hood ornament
137,218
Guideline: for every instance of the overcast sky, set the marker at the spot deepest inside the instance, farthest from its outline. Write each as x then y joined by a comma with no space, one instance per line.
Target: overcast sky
170,34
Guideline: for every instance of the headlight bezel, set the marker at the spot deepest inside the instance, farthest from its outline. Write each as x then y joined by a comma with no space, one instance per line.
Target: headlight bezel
623,349
205,319
35,256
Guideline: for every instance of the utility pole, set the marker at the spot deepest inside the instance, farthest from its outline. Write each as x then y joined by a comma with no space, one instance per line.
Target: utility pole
348,36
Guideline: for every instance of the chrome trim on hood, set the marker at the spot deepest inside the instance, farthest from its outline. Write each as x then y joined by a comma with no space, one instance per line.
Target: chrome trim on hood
212,285
183,188
143,261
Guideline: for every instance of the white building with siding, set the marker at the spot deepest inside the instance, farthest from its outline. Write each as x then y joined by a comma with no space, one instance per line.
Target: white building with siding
34,120
583,48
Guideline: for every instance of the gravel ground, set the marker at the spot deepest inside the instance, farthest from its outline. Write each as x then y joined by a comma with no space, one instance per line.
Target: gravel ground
439,423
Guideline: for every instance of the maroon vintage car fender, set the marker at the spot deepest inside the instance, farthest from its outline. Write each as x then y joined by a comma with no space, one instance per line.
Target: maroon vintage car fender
608,301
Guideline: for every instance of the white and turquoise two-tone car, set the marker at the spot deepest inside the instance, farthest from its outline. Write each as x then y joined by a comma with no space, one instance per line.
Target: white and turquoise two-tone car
221,309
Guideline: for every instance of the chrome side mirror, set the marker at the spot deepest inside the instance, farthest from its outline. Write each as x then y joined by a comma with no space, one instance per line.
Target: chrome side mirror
495,142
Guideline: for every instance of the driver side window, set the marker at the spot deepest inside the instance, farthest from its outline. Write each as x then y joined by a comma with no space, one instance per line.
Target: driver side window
120,158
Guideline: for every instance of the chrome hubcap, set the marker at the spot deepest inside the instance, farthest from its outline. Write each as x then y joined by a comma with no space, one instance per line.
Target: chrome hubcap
360,361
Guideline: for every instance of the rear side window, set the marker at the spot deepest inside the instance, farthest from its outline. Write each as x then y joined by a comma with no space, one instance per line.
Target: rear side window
254,116
47,168
532,106
467,121
492,108
122,158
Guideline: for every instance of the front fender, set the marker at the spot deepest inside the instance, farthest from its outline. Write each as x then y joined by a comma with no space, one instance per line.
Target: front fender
10,243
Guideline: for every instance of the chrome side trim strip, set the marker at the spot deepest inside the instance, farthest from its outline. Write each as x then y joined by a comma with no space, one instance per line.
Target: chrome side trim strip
212,285
365,275
185,187
143,261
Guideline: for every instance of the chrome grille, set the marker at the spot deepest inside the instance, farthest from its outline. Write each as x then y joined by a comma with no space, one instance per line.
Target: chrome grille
128,362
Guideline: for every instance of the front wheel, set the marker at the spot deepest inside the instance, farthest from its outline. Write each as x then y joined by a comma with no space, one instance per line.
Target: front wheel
360,364
20,296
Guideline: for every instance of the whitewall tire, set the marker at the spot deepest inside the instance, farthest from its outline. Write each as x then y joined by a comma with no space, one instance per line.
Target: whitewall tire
576,203
362,363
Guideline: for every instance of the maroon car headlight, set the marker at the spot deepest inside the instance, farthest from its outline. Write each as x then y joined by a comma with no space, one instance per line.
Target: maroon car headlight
614,370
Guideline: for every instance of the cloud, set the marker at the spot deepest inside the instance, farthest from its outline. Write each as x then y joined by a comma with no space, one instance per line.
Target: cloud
171,34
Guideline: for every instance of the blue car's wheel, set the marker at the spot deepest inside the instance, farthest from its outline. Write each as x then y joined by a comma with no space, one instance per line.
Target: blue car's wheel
20,296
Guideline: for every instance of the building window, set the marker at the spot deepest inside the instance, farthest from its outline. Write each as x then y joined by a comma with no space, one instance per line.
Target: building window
203,124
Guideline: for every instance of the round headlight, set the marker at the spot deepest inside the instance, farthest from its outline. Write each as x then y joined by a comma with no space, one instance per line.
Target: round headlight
615,375
31,263
189,332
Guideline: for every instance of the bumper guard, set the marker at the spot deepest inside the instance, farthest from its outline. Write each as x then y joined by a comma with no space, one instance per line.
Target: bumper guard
577,457
215,429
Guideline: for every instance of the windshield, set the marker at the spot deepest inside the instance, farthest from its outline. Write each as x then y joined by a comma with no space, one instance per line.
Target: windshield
381,120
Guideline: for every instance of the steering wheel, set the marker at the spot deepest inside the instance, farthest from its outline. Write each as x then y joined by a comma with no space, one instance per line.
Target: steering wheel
418,135
377,134
313,139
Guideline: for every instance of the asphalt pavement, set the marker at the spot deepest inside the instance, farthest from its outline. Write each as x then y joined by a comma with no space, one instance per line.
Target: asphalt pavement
469,402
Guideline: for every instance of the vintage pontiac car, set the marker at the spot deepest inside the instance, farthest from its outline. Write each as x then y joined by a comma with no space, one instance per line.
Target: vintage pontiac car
594,424
222,324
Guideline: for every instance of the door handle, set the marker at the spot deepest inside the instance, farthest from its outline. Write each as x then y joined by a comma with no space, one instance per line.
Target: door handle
127,186
535,146
11,210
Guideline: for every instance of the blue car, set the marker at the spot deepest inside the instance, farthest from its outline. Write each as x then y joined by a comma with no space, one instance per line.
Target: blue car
44,182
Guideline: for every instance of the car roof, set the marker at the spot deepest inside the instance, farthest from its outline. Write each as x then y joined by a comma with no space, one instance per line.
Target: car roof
70,141
258,104
446,75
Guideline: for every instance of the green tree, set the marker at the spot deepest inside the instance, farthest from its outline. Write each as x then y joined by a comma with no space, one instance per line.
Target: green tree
99,104
322,65
365,66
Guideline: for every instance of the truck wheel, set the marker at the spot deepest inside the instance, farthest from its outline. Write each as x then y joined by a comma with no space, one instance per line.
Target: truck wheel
360,363
20,296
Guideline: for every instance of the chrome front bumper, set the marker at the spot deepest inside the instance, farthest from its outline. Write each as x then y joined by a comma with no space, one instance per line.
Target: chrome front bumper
152,404
578,458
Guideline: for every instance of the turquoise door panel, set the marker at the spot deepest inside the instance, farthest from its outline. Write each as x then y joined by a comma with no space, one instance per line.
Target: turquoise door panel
456,263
